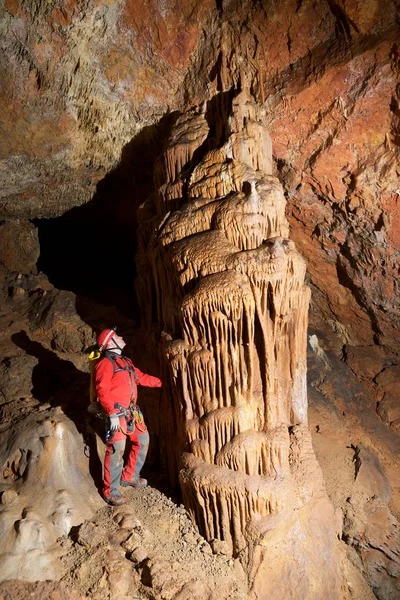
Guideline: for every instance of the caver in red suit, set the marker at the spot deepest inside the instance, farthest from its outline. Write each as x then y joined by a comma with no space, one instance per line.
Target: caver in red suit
117,381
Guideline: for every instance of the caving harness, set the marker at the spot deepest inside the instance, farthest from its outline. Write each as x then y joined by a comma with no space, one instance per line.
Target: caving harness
132,414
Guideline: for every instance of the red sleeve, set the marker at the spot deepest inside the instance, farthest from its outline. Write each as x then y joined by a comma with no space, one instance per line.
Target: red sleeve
103,375
148,380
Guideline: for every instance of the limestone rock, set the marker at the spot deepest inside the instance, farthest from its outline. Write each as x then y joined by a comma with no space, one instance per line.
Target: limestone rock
374,532
54,321
371,528
389,378
389,406
366,361
19,246
16,377
370,478
46,590
43,465
88,534
79,92
227,287
220,547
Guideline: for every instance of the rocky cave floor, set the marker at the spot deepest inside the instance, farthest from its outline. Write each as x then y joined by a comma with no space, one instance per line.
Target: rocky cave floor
149,548
146,549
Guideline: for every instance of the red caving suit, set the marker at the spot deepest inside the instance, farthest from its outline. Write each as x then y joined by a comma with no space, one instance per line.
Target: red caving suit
115,386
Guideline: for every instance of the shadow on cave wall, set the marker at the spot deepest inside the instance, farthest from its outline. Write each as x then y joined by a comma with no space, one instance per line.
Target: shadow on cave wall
90,250
54,381
59,383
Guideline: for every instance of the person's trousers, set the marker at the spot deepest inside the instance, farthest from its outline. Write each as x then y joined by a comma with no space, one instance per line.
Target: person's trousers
114,469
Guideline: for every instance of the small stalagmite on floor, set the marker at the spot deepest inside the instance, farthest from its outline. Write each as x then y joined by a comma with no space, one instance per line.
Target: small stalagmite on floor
47,490
219,275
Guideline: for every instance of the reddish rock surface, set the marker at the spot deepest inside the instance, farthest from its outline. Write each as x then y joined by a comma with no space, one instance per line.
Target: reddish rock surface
79,82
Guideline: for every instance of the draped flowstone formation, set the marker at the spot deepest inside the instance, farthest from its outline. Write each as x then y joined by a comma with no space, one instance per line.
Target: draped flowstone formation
217,272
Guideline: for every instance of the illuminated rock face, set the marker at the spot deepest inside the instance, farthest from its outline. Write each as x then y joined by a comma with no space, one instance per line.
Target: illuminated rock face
46,490
227,286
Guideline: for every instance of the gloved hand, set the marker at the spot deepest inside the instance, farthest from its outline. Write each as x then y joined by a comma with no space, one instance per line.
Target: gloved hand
114,423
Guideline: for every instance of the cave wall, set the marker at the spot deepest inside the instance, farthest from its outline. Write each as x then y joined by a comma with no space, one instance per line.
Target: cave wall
81,79
91,88
328,72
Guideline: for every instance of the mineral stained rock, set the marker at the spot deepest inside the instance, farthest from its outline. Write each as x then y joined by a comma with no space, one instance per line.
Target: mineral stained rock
370,527
219,274
82,80
19,246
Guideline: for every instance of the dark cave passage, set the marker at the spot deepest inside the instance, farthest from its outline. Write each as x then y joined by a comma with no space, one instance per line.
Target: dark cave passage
83,253
90,250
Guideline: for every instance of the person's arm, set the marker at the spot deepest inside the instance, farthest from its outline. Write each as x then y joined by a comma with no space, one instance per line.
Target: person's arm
103,375
148,380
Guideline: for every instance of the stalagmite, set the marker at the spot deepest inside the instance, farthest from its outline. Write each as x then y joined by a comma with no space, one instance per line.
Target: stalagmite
232,305
52,491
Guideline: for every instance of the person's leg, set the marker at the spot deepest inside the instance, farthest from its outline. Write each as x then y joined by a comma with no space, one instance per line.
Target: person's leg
130,465
144,441
136,460
113,464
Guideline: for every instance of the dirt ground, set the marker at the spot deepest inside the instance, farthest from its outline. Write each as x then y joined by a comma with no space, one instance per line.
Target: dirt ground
148,549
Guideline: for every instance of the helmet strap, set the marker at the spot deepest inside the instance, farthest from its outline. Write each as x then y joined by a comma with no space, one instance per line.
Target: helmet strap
115,344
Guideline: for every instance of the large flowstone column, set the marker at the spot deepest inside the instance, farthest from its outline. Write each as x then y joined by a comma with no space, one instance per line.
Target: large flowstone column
217,272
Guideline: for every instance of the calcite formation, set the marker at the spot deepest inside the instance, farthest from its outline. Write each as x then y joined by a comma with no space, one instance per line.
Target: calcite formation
46,489
219,274
83,80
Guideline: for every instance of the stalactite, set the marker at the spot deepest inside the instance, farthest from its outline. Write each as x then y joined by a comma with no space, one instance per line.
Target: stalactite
193,217
215,178
250,141
241,498
219,426
188,133
249,219
189,260
201,382
257,453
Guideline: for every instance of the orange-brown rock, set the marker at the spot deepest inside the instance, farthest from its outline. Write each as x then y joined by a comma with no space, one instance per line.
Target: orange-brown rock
173,31
371,528
367,362
45,590
389,406
19,246
79,82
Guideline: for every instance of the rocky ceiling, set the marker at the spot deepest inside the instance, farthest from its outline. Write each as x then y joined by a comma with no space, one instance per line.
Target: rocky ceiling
87,87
